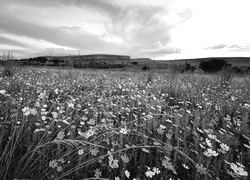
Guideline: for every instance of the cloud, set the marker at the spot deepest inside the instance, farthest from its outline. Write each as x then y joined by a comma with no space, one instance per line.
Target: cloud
127,27
57,35
145,24
217,46
153,50
57,52
9,42
165,51
101,5
230,47
240,48
235,46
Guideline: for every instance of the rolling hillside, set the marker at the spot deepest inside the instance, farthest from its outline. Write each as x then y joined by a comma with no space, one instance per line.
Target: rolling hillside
139,63
235,61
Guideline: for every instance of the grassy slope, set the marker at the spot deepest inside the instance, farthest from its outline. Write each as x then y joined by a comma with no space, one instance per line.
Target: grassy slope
235,61
241,62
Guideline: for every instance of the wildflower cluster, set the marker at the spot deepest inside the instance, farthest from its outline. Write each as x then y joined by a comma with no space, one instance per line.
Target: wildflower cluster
153,172
57,164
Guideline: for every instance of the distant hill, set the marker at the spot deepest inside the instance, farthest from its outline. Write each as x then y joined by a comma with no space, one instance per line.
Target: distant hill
241,62
113,61
235,61
141,59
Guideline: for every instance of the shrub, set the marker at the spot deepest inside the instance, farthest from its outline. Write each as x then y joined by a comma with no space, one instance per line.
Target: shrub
56,62
8,69
213,65
248,70
105,66
41,59
146,67
236,70
187,67
134,63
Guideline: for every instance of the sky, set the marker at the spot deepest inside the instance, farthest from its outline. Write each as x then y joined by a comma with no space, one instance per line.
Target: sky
156,29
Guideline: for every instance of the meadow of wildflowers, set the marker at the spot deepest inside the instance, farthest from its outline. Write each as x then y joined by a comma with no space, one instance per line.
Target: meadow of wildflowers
82,124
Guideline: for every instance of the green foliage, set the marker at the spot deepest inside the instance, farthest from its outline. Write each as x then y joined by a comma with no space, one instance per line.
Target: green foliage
213,65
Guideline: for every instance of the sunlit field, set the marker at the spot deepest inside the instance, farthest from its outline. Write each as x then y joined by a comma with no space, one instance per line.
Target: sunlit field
84,124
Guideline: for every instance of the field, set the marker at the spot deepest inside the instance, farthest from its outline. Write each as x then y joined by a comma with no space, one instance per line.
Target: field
241,63
86,124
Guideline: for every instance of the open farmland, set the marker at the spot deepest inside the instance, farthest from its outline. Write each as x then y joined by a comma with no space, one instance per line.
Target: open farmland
79,124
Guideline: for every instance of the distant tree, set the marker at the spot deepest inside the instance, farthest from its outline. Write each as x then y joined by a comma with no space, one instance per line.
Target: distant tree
248,70
213,65
187,67
41,59
146,67
134,63
56,62
236,70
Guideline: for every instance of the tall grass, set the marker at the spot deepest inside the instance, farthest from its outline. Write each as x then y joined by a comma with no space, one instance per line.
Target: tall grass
65,124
